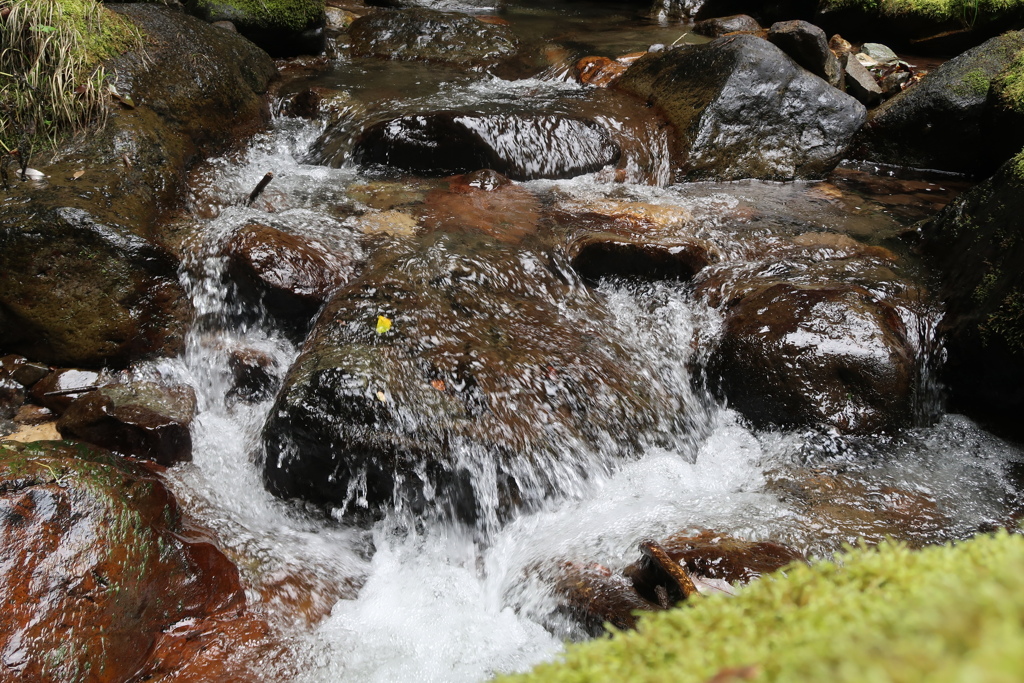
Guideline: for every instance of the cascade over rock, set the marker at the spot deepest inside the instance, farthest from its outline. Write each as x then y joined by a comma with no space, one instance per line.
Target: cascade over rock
742,108
522,147
492,373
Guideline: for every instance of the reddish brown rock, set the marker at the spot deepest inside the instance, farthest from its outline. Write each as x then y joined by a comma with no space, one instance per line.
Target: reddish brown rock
102,578
291,275
22,370
144,419
594,595
485,202
56,391
254,374
795,355
599,71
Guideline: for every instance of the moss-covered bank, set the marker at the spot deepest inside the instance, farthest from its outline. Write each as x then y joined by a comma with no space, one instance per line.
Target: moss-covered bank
951,613
51,75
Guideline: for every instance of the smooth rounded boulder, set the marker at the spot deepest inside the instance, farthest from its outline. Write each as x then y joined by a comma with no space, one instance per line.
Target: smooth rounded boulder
741,108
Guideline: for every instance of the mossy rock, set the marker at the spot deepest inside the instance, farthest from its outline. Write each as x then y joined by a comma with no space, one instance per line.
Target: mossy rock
85,278
966,116
949,613
921,26
284,28
978,247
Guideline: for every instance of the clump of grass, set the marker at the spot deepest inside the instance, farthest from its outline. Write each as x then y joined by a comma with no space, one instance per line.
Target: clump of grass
52,80
1010,84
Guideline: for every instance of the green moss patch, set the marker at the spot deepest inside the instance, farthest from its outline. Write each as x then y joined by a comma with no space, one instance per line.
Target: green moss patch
51,74
968,11
950,613
294,15
1010,85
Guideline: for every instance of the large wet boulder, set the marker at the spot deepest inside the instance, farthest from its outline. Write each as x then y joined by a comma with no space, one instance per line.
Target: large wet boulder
84,278
741,108
429,35
284,28
453,369
717,27
103,579
797,355
78,290
955,119
143,419
977,246
520,146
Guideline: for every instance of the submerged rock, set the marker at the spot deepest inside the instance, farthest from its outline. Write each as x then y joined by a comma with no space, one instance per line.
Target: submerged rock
520,146
741,108
143,419
953,119
103,579
976,245
495,367
432,36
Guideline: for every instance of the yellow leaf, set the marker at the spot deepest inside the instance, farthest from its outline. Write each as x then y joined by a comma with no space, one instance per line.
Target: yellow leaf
383,324
381,397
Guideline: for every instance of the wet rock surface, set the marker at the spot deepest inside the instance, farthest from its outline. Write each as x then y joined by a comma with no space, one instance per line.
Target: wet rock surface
800,355
667,573
719,26
522,147
83,277
480,335
979,257
60,388
103,579
741,108
144,419
808,46
433,36
287,276
953,119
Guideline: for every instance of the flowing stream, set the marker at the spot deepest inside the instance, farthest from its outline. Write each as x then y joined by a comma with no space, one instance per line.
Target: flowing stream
408,599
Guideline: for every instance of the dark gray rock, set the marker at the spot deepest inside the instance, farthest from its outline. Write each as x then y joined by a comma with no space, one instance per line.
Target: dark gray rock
520,146
977,247
741,108
952,119
808,46
432,36
719,26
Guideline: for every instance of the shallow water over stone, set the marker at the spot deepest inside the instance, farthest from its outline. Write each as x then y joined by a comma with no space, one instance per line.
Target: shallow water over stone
398,588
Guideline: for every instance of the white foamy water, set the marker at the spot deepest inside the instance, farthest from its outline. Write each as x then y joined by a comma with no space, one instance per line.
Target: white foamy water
406,600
